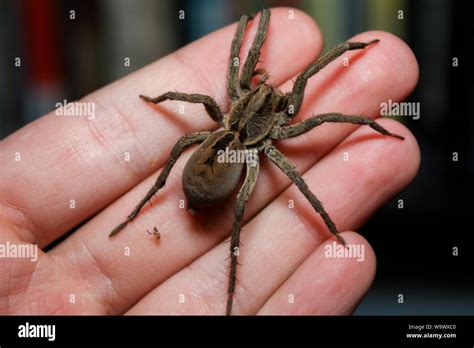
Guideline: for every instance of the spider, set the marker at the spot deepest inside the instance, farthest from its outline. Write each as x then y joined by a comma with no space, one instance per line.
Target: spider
257,117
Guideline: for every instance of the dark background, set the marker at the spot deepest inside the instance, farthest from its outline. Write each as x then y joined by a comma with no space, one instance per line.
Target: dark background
66,59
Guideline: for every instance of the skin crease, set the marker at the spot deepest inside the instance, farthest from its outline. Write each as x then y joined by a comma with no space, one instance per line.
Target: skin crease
190,257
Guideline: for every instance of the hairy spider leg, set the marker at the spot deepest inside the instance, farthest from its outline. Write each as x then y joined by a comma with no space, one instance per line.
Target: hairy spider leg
211,106
254,52
182,143
233,88
314,121
287,167
242,198
297,93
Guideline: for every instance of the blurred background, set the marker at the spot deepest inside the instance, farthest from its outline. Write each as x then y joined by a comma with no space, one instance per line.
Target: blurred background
52,50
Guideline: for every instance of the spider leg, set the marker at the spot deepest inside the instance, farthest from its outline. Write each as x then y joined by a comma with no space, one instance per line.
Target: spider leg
233,87
263,75
210,104
182,143
242,197
285,165
306,125
254,52
297,94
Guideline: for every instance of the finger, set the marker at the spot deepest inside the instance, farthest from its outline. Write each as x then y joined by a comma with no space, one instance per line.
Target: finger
327,282
187,237
281,237
355,84
34,283
71,167
29,280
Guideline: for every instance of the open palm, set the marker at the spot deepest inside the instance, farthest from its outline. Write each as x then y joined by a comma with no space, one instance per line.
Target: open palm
107,164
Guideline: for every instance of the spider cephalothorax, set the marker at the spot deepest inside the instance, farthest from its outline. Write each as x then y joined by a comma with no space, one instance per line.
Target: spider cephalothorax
257,117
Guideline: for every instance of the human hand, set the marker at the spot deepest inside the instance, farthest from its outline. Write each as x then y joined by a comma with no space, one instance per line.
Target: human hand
284,269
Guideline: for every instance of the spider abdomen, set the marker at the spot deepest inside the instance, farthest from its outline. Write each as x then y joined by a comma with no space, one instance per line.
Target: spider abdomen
209,176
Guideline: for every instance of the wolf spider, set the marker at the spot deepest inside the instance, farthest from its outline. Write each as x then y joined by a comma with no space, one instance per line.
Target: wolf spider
257,116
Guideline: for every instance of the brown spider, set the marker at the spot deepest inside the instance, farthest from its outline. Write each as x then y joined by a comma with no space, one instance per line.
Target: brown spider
256,118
